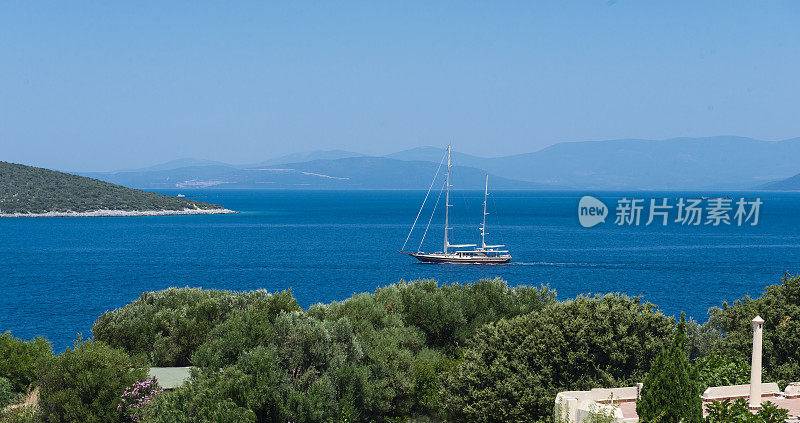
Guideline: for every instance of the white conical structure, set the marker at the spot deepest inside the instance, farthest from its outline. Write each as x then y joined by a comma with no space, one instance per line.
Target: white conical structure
755,365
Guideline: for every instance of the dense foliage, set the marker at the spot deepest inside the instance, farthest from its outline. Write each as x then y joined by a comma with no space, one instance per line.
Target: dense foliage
370,358
409,352
779,306
22,414
209,397
85,383
18,360
671,390
245,329
27,189
511,370
727,411
305,370
7,393
167,326
720,370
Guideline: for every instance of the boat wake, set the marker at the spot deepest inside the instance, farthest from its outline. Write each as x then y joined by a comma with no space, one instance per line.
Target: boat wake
573,264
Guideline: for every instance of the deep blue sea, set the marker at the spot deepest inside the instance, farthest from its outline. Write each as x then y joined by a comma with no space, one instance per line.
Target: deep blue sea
58,274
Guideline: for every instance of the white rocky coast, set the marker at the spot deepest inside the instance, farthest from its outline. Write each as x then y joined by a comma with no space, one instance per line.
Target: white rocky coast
120,213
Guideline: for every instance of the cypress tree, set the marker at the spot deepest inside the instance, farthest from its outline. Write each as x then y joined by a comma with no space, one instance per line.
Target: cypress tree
671,392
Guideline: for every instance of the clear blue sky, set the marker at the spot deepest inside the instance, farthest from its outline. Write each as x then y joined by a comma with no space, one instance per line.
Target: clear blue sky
106,84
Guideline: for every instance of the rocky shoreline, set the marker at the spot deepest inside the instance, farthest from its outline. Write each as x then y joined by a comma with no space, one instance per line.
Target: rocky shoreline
121,213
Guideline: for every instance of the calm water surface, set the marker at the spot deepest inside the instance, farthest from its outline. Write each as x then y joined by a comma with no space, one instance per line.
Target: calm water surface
59,274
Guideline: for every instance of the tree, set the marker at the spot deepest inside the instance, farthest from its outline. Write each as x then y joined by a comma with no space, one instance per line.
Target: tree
511,370
18,359
298,368
85,383
779,306
243,330
720,370
411,331
671,390
167,326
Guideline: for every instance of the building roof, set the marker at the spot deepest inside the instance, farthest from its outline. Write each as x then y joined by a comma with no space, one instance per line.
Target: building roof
170,377
625,398
739,391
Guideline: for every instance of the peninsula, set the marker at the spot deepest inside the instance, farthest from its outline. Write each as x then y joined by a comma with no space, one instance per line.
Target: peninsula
27,191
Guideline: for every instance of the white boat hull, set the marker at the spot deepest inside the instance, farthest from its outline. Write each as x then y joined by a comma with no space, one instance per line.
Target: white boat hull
460,259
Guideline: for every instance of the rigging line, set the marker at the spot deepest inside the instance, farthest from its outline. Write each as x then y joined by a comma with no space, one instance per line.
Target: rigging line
423,202
496,218
431,218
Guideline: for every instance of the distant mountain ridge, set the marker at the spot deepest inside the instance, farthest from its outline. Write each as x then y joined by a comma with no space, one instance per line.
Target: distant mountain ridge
364,172
176,164
679,163
306,157
791,183
436,155
724,162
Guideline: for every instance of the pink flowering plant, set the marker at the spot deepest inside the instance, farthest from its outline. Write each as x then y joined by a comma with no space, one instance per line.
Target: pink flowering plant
138,397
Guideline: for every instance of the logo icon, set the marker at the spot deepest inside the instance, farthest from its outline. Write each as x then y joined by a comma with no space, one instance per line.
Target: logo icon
591,211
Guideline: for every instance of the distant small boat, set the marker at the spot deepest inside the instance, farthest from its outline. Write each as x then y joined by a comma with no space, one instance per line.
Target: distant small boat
181,196
485,254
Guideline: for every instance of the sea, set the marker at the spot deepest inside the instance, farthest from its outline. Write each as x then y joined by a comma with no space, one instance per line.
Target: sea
59,274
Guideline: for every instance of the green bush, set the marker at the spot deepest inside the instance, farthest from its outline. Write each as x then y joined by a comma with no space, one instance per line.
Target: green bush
779,306
167,326
511,370
298,369
18,359
409,330
22,414
244,329
427,369
771,413
307,371
7,394
726,411
85,383
449,315
389,348
702,340
720,370
213,397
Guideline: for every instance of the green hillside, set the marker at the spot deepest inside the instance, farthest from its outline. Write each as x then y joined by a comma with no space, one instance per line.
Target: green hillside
27,189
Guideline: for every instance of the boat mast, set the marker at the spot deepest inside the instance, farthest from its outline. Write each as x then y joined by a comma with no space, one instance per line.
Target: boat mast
447,201
483,225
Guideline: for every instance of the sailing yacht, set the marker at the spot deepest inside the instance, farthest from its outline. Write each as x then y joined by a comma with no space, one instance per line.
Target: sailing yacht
459,253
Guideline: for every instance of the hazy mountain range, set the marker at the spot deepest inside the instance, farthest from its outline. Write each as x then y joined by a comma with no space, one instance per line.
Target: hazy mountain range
347,173
673,164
